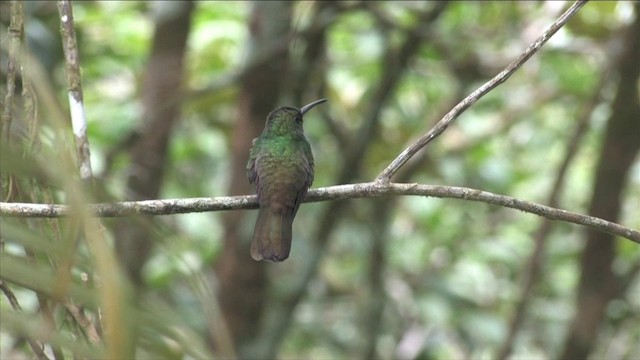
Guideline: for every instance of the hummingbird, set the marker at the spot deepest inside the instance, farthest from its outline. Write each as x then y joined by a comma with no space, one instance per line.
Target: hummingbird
281,168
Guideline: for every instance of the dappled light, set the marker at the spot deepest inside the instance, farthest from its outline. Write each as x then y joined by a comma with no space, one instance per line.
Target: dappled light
469,189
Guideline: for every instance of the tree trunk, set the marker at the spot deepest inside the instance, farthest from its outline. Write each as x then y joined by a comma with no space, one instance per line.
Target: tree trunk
242,281
598,283
161,99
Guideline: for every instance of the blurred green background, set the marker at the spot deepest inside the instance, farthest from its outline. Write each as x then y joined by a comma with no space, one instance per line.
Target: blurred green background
389,278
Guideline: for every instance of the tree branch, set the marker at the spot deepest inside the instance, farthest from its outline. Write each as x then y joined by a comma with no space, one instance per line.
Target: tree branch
442,125
339,192
74,83
534,267
35,345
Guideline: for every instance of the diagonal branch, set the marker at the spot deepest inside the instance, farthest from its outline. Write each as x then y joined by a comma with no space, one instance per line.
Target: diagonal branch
339,192
35,345
394,63
442,125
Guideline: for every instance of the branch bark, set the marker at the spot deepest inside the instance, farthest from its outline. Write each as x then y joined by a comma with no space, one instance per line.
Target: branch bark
339,192
74,83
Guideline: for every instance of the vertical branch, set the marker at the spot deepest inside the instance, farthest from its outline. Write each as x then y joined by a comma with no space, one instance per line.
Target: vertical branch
74,84
161,95
312,62
242,282
15,37
16,34
394,63
113,290
599,283
381,216
35,346
533,268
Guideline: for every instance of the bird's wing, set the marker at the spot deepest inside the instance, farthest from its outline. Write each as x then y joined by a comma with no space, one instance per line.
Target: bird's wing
309,172
309,166
252,173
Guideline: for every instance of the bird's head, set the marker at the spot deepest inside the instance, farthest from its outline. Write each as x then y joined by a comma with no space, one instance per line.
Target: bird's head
287,119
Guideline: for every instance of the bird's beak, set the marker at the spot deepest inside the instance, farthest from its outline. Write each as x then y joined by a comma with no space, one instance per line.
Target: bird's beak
308,107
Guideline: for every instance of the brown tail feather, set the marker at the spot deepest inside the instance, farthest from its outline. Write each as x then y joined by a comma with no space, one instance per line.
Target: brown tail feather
272,235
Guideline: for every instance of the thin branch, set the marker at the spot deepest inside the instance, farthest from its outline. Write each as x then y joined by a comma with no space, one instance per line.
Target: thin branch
233,77
16,29
83,322
533,269
339,192
442,125
74,83
15,36
36,346
79,126
395,62
10,296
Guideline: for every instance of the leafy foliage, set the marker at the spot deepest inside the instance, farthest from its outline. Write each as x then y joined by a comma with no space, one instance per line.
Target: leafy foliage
452,270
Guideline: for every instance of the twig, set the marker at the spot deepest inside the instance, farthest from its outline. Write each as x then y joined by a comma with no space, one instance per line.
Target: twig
74,83
339,192
442,125
10,296
35,345
83,321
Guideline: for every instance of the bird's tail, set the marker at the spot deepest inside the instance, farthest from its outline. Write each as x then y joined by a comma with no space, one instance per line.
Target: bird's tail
272,234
